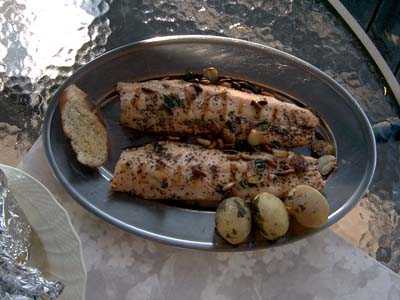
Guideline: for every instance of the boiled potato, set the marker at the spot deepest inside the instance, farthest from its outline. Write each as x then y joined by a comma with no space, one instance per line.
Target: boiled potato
233,220
270,215
308,206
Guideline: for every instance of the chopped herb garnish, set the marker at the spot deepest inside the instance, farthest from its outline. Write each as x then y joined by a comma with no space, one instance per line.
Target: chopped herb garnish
172,101
232,123
298,163
158,148
164,184
230,151
275,144
197,173
195,122
197,88
263,102
244,184
190,76
249,86
147,90
231,126
241,145
263,126
220,189
259,165
241,210
280,130
236,85
214,169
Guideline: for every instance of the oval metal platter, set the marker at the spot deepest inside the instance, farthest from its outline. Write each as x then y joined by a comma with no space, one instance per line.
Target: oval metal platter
349,129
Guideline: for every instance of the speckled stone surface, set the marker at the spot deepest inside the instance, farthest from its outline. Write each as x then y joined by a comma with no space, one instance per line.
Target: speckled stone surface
43,42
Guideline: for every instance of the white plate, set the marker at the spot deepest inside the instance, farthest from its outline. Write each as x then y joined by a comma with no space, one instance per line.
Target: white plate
56,247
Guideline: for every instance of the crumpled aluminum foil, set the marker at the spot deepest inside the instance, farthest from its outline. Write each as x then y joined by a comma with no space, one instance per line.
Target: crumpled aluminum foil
3,195
17,281
15,232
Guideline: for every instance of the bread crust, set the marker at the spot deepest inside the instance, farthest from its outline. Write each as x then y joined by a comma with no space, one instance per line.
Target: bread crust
66,95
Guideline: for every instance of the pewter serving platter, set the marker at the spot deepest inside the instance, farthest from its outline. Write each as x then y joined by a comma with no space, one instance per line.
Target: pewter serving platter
346,124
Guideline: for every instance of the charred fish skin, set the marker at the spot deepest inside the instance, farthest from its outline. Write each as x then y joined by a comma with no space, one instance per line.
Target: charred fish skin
183,108
172,170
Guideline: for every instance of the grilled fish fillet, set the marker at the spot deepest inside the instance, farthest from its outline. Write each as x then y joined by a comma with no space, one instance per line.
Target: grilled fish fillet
183,108
171,170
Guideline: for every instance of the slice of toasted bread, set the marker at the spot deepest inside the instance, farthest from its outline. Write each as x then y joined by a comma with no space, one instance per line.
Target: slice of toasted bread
84,127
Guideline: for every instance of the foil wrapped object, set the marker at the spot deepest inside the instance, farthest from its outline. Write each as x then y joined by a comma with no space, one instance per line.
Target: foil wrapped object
17,281
15,232
22,282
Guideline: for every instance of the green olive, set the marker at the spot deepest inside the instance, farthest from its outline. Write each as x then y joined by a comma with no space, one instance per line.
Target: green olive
327,164
233,220
308,206
270,215
211,74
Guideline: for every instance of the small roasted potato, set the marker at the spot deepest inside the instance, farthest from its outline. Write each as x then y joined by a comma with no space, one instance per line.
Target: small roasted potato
233,220
270,215
308,206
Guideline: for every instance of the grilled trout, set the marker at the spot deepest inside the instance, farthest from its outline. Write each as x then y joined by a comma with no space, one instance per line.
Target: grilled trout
172,170
177,107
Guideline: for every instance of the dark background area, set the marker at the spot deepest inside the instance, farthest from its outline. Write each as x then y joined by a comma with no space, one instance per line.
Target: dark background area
381,20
